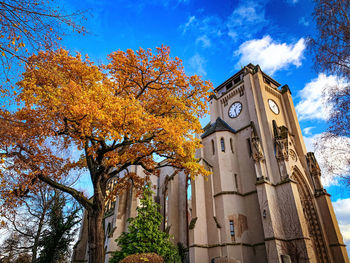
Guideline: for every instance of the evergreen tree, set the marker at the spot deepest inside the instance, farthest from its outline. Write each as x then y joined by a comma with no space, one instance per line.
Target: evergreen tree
56,240
144,235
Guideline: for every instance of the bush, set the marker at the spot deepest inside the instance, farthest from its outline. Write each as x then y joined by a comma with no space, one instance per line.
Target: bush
144,257
144,235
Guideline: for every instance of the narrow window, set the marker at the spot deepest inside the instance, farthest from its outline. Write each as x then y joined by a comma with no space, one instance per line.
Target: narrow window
109,228
236,182
213,146
166,223
222,142
231,145
232,228
249,147
165,209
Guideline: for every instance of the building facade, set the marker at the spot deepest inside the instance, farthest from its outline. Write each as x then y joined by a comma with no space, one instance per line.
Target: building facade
263,202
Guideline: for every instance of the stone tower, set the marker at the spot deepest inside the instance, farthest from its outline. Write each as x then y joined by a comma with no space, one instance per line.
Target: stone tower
263,202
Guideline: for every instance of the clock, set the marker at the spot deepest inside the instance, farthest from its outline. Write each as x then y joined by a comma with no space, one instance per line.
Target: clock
273,106
235,109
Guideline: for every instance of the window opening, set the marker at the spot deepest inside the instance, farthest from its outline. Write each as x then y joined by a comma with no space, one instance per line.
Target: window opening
109,228
166,211
231,145
236,80
213,146
236,182
232,228
189,189
249,148
222,142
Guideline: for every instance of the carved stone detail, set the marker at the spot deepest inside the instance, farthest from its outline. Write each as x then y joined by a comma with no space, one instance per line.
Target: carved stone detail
312,164
257,152
281,141
293,155
315,172
311,217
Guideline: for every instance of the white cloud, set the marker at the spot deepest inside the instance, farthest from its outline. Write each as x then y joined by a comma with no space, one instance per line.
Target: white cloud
246,20
270,55
292,1
188,24
307,130
313,103
197,63
332,155
210,26
342,209
303,21
204,40
342,212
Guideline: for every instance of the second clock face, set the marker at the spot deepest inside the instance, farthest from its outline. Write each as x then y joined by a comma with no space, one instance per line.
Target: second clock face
235,109
273,106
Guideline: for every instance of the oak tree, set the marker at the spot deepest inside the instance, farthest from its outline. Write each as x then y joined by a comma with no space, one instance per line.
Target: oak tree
29,26
138,109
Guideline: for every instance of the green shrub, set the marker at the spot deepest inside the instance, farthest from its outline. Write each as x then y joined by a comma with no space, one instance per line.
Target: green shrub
144,235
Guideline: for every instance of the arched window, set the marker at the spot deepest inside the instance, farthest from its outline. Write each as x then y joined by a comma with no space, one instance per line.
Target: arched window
236,182
232,228
166,210
231,145
213,146
222,142
250,151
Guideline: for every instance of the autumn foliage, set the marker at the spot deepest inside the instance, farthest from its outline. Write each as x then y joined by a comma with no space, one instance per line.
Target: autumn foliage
145,257
137,109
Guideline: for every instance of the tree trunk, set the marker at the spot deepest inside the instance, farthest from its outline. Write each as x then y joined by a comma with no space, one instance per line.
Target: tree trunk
96,231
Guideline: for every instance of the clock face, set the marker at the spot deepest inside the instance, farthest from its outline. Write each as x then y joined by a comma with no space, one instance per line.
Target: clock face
235,109
273,106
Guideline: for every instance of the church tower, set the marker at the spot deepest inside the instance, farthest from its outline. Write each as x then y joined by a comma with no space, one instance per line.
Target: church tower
264,201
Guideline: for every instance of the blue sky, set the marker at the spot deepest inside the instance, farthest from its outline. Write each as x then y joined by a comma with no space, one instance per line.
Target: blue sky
214,39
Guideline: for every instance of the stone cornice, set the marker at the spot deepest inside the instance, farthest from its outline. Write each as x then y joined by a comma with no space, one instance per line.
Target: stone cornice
235,193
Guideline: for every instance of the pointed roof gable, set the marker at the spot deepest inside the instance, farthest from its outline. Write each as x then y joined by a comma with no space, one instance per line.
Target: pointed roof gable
218,125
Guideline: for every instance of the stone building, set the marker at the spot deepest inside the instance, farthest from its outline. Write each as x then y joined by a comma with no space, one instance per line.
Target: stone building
263,202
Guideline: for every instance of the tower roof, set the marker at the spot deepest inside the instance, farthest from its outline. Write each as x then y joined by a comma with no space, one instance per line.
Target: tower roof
253,69
218,125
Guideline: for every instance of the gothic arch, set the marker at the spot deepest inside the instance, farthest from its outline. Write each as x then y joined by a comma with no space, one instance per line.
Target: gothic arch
311,216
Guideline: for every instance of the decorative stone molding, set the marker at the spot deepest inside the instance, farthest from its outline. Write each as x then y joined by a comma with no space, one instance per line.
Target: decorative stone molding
257,152
239,89
315,172
281,141
217,222
192,223
312,164
273,91
293,155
